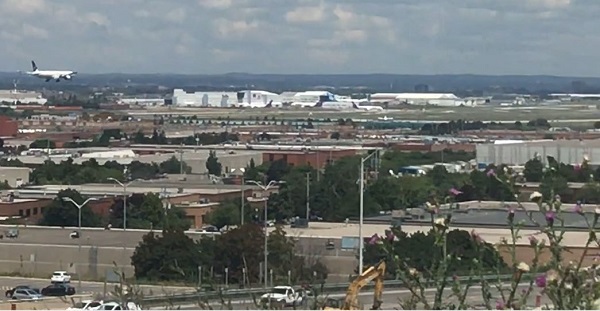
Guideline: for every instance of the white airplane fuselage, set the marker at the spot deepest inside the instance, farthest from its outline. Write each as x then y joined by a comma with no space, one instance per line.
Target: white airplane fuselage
52,74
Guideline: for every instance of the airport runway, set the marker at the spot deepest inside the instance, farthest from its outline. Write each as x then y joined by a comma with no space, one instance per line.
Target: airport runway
87,288
391,300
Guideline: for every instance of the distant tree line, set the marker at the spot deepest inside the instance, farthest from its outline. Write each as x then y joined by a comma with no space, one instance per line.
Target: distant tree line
67,172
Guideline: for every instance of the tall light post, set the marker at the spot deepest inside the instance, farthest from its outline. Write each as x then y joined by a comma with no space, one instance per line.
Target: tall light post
361,241
124,185
79,207
266,251
307,196
242,199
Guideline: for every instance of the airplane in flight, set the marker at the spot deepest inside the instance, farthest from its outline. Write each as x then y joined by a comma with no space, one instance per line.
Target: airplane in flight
50,74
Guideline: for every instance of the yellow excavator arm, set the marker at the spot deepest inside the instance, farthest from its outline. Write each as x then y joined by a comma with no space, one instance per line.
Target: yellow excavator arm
375,273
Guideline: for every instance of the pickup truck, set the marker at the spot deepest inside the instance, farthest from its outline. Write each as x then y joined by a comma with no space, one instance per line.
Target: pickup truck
283,296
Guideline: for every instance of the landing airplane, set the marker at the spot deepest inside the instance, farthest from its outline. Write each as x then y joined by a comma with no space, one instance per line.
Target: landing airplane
50,74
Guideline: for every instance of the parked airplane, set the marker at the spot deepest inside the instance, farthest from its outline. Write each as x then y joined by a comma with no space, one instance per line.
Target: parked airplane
51,74
367,108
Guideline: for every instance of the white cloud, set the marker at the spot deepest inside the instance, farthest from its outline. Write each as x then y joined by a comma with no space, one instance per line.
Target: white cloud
551,4
306,14
221,55
216,4
176,16
228,28
34,32
406,36
22,6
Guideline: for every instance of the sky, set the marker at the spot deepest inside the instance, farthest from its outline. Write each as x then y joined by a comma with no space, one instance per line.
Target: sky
557,37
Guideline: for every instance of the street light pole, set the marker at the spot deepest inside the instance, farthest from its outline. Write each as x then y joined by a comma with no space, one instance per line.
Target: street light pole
242,199
362,212
242,202
307,196
266,251
124,199
79,207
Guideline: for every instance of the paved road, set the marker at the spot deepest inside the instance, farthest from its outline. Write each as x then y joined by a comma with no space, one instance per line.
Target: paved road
90,288
391,299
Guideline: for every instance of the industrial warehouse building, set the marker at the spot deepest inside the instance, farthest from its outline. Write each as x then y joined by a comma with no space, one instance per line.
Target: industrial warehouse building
14,176
519,152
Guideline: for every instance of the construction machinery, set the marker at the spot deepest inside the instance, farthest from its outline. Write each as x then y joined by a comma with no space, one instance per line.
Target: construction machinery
350,302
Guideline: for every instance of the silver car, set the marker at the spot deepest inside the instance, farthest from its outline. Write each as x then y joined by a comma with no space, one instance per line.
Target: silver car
25,294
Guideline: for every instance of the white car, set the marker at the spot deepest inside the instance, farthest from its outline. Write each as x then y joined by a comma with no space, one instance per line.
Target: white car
86,305
60,277
113,305
284,295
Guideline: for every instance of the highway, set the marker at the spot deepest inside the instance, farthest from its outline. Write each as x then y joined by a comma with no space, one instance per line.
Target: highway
88,288
391,299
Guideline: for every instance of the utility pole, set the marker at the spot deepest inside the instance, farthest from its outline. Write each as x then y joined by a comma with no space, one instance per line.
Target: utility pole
307,196
361,241
181,159
266,250
79,207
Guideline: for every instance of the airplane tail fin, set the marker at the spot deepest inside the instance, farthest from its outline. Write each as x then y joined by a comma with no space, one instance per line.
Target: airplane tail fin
270,104
354,105
34,66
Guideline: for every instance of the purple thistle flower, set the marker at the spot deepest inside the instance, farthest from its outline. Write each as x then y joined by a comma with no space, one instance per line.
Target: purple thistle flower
455,192
578,208
491,173
540,281
511,214
476,237
390,236
550,217
499,305
374,239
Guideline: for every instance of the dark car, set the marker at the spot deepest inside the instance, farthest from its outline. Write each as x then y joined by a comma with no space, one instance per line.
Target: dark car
58,290
10,292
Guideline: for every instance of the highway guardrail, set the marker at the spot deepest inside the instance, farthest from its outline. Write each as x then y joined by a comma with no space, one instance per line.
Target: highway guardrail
327,288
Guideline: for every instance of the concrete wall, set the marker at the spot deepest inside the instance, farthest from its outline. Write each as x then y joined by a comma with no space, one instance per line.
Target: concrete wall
91,262
38,251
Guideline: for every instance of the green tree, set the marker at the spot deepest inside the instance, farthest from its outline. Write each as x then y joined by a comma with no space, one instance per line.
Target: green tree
226,214
172,256
554,182
254,172
238,249
66,214
336,196
461,248
42,144
392,193
534,170
174,166
213,165
590,193
147,211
